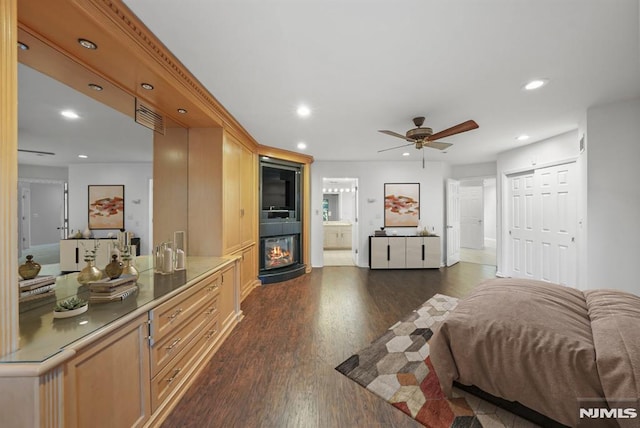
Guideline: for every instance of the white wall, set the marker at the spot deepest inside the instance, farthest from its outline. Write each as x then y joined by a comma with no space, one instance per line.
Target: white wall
43,172
372,176
490,209
134,176
613,198
535,155
486,169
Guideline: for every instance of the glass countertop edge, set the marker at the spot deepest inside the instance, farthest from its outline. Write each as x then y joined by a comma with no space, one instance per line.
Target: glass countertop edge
153,289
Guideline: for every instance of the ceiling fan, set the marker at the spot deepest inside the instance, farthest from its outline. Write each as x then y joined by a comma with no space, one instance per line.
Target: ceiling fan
424,137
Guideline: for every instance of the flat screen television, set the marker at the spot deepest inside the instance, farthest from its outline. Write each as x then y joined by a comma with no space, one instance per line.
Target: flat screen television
278,188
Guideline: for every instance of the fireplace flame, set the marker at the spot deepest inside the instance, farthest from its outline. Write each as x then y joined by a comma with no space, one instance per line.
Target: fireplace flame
276,253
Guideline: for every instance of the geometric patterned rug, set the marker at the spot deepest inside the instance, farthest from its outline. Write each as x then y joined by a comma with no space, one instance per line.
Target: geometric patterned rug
397,368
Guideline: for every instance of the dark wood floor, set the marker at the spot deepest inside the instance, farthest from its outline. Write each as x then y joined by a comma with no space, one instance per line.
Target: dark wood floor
276,369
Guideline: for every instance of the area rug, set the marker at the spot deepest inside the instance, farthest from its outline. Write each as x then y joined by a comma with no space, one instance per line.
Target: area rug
397,368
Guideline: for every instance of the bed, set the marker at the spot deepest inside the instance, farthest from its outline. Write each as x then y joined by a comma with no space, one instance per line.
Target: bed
545,346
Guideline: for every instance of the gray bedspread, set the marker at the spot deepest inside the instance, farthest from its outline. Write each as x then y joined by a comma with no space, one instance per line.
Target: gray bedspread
542,345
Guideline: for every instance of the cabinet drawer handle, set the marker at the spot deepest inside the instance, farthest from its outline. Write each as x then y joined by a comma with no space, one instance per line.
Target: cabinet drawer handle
213,287
212,333
211,311
388,252
173,345
175,314
175,374
422,251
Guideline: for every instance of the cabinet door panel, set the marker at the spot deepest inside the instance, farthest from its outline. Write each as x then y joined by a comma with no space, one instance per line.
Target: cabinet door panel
108,384
397,258
415,252
379,253
433,253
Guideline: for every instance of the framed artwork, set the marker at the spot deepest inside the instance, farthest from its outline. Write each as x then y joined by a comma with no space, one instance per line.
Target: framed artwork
106,206
401,204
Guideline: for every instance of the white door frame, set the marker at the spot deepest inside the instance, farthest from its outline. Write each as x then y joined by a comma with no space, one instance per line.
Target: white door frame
453,222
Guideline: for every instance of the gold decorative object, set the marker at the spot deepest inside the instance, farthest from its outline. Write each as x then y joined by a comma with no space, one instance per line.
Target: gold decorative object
89,273
130,269
114,269
29,269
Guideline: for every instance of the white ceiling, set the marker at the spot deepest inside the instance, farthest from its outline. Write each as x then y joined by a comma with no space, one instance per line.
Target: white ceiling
362,66
103,134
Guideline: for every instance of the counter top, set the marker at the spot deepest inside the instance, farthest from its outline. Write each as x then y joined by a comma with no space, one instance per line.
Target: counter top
336,223
42,336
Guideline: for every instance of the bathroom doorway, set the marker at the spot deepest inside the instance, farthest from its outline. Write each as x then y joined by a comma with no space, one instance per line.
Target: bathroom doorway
340,221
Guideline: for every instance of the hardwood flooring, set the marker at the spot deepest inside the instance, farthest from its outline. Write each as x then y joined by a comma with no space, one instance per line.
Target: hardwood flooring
276,369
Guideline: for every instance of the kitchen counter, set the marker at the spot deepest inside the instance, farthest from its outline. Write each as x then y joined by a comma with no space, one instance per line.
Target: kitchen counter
42,336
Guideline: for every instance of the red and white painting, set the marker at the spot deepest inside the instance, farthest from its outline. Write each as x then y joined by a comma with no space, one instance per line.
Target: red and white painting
106,207
401,204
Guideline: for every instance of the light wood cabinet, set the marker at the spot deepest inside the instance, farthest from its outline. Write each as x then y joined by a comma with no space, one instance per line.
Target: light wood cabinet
404,252
107,384
248,271
239,193
337,237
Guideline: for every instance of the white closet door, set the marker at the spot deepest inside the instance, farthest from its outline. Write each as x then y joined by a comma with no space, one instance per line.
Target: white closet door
557,225
542,224
522,260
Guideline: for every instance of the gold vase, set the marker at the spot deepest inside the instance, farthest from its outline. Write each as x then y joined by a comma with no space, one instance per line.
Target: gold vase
129,269
114,269
89,273
29,269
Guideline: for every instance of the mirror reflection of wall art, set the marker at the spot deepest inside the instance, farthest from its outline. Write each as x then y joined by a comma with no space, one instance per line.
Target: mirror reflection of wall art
401,204
106,207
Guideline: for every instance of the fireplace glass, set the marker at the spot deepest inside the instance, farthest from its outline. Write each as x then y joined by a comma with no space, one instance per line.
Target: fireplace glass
279,251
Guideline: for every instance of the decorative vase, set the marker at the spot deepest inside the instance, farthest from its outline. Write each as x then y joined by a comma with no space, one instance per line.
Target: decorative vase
130,269
89,273
87,233
114,269
29,269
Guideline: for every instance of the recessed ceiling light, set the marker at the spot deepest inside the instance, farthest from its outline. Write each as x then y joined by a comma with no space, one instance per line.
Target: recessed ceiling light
302,145
303,111
83,156
535,84
69,114
95,87
406,154
147,86
265,157
87,44
182,111
23,47
522,137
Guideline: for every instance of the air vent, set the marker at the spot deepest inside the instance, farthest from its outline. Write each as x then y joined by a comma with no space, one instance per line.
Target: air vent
145,116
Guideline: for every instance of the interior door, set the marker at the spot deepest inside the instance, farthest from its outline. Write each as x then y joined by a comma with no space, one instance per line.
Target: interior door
542,225
472,217
521,240
25,205
453,221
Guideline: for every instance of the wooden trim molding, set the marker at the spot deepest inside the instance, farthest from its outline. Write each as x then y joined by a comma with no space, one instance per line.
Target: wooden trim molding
9,333
287,155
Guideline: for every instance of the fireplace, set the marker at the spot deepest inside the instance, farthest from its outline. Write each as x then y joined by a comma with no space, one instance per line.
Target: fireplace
279,251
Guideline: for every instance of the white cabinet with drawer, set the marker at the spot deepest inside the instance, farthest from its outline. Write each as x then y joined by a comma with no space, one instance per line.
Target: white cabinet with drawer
404,252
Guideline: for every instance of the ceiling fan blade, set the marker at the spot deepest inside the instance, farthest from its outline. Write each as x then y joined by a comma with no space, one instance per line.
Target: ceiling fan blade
395,134
461,127
397,147
37,152
437,145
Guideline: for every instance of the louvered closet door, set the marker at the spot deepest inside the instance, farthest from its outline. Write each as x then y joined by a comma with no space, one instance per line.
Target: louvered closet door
542,224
